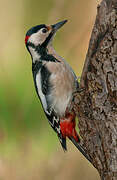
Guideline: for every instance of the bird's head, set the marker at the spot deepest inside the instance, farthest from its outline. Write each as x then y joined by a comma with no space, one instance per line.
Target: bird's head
41,35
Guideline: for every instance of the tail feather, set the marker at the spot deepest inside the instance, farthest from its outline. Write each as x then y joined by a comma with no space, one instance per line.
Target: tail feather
80,148
63,143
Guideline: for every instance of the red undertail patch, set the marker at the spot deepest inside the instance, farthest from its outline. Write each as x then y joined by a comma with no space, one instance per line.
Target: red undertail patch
67,126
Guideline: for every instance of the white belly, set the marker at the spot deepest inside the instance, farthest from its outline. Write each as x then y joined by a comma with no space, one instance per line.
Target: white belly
63,84
60,103
59,98
62,92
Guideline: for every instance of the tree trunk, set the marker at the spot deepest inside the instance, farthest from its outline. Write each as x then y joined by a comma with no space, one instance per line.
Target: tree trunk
96,106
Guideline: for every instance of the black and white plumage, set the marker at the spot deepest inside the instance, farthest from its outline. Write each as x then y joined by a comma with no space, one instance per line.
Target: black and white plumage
50,71
55,82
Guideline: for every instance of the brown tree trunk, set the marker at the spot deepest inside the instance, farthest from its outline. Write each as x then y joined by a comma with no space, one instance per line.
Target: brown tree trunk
96,106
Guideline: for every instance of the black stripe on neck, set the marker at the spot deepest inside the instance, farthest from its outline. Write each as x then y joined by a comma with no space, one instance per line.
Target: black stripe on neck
36,66
43,52
45,43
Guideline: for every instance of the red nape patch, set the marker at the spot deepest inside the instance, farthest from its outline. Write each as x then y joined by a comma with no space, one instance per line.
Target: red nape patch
26,39
68,129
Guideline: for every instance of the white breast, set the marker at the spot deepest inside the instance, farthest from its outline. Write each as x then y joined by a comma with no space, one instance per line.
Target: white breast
62,87
63,82
60,103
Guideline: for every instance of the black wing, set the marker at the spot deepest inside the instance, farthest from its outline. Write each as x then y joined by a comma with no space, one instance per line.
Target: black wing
55,124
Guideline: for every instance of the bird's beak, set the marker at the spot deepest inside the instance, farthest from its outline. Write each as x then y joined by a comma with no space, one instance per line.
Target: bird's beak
58,25
53,29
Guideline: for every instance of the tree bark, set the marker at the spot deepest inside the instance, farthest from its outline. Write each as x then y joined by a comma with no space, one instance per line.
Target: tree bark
96,106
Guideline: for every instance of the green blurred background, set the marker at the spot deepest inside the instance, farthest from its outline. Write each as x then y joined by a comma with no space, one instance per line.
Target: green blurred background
29,149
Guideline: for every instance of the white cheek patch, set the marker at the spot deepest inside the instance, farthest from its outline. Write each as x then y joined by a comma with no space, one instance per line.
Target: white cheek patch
35,55
38,38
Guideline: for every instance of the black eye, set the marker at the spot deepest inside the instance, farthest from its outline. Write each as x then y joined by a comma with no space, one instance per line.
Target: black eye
44,30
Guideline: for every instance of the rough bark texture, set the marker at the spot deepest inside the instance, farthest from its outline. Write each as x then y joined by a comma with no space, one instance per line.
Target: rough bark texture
96,106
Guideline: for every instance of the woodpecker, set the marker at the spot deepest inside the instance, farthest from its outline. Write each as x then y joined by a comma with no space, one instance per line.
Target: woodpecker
55,82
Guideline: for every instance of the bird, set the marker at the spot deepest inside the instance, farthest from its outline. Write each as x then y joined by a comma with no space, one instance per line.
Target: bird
55,82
